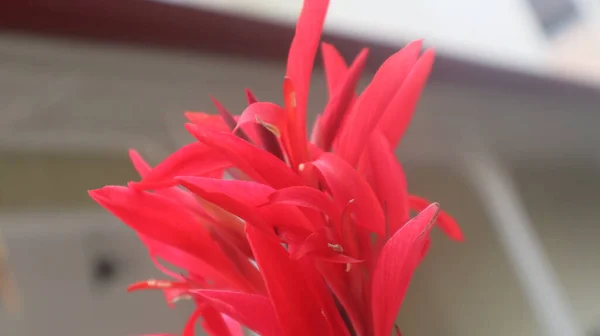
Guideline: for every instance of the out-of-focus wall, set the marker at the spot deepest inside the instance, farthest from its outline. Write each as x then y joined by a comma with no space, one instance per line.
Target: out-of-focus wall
470,289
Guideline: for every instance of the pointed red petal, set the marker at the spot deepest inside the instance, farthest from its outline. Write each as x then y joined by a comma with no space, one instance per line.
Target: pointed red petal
397,115
173,193
254,311
293,290
171,224
213,121
270,122
340,102
139,163
269,115
335,67
235,328
190,326
398,260
369,107
302,53
213,323
346,185
195,159
258,164
387,178
242,198
306,197
237,197
229,120
444,220
250,97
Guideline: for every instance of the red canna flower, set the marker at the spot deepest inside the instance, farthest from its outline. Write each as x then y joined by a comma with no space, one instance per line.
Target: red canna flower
311,237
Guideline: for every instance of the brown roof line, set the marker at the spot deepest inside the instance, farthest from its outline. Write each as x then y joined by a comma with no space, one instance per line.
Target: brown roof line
144,22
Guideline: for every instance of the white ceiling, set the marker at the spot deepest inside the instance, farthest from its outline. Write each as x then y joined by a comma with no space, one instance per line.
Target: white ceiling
503,33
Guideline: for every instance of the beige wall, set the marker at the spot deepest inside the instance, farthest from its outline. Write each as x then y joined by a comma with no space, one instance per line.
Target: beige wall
470,289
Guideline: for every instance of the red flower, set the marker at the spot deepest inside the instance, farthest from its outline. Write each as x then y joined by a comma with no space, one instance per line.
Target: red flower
311,237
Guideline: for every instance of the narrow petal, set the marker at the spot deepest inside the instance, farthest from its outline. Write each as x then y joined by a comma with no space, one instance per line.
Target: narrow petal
141,166
269,141
235,328
386,176
258,164
254,311
172,225
444,220
339,103
399,112
335,68
173,193
347,185
293,290
269,115
305,197
190,326
302,54
395,266
369,107
250,97
211,120
243,198
295,142
237,197
195,159
213,322
229,120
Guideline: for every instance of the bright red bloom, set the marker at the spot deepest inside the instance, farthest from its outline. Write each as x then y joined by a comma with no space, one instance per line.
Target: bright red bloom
311,237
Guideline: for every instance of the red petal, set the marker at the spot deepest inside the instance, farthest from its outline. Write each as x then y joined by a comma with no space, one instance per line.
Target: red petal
208,120
340,102
173,193
242,199
306,197
235,328
293,291
172,225
397,262
250,97
444,221
387,178
258,164
270,121
302,53
295,142
335,67
237,197
195,159
213,322
229,120
397,115
190,326
269,115
369,107
346,185
254,311
140,165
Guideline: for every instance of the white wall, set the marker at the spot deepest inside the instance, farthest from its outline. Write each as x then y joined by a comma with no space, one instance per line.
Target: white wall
501,32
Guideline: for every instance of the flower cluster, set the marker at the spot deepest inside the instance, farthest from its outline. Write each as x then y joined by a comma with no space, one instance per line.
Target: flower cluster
310,237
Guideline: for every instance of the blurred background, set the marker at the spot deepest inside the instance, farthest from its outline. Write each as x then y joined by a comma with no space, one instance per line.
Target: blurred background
505,138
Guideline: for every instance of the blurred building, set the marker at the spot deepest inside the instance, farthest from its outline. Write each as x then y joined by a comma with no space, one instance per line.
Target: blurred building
505,138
